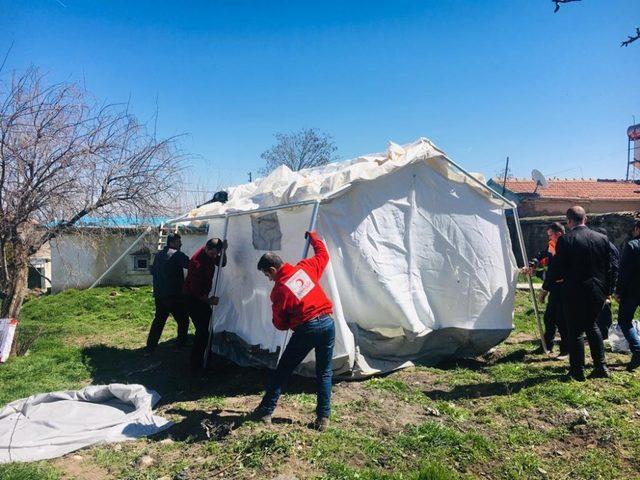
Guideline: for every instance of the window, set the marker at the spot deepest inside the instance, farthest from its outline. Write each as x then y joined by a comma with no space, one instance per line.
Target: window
141,263
141,260
266,232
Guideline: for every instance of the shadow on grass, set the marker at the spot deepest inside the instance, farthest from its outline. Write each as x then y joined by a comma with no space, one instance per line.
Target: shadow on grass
167,372
496,387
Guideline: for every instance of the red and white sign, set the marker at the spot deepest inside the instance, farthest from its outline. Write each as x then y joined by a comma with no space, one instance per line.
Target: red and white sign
7,332
300,284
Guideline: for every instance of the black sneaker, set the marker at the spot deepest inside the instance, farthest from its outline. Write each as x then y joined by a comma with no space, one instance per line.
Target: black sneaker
259,415
634,362
320,424
578,376
602,372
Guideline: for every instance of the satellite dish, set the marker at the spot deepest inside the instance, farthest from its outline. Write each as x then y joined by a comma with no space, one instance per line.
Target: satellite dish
539,178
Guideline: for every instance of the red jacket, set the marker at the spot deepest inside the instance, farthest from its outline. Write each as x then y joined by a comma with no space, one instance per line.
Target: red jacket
199,275
297,296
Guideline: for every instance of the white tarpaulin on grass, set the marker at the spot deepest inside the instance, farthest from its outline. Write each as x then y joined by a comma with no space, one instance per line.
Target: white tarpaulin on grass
50,425
421,262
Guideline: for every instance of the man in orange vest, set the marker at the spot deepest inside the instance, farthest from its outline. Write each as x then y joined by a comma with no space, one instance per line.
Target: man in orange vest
553,315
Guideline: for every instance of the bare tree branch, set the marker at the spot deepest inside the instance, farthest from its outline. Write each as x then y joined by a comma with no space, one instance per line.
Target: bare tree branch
64,157
558,2
630,39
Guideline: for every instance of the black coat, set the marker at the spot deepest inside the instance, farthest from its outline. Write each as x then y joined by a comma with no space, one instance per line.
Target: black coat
583,260
629,273
168,272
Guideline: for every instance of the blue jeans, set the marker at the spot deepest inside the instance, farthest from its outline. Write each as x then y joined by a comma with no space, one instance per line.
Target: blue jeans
628,306
318,334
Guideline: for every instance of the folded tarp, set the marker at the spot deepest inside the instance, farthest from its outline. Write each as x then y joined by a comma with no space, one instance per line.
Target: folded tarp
50,425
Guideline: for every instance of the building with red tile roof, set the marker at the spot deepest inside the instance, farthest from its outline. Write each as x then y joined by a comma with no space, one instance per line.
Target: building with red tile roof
596,196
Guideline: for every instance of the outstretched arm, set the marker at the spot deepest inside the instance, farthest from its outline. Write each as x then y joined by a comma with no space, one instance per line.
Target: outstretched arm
319,261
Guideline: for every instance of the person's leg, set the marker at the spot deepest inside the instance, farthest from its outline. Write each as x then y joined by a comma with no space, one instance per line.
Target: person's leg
325,337
550,321
596,345
298,347
561,322
200,314
626,312
180,313
576,342
159,320
604,321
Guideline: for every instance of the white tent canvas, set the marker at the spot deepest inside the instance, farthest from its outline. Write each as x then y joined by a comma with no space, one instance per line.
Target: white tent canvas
421,263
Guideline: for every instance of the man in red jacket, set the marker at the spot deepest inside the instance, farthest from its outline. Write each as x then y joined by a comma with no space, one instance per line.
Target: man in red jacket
197,286
300,304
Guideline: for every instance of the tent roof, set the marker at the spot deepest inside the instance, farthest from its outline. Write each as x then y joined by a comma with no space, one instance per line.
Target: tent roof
286,187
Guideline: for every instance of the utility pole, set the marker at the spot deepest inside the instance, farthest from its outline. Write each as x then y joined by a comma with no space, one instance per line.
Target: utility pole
506,172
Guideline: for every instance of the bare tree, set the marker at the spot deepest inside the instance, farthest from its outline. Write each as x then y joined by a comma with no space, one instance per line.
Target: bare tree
630,38
304,149
63,157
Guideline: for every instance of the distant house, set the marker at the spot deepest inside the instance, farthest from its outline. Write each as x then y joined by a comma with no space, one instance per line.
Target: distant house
80,256
596,196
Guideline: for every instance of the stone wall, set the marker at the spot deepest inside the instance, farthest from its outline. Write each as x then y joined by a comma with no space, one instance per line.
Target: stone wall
534,230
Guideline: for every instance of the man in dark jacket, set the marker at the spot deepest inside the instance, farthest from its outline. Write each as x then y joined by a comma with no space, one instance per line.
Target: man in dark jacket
628,294
605,318
168,276
583,261
197,287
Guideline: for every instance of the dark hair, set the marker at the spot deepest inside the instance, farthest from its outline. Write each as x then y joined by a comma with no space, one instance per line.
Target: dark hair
172,237
269,260
636,224
576,214
556,227
213,244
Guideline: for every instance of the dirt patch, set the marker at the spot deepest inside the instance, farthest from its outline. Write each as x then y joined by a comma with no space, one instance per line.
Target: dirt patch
80,467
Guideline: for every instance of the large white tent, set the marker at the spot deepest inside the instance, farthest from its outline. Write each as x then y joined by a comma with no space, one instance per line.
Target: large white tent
421,262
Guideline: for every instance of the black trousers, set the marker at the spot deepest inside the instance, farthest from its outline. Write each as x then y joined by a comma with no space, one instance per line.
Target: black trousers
605,320
200,313
173,305
581,311
554,320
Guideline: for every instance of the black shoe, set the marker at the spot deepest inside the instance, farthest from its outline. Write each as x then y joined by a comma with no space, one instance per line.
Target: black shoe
578,376
259,415
634,362
602,372
540,351
320,424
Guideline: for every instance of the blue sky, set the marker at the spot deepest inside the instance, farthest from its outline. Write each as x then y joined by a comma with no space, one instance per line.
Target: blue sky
482,80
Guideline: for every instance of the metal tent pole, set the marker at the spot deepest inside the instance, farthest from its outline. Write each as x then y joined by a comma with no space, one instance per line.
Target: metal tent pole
525,259
113,265
215,290
305,252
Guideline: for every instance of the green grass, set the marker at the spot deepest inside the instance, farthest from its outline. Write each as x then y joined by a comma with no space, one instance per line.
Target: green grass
510,418
28,471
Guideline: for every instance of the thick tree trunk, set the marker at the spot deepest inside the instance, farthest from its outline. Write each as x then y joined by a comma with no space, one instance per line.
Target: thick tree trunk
17,288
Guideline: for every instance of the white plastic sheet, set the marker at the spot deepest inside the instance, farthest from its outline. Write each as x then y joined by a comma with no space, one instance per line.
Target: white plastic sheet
53,424
7,332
